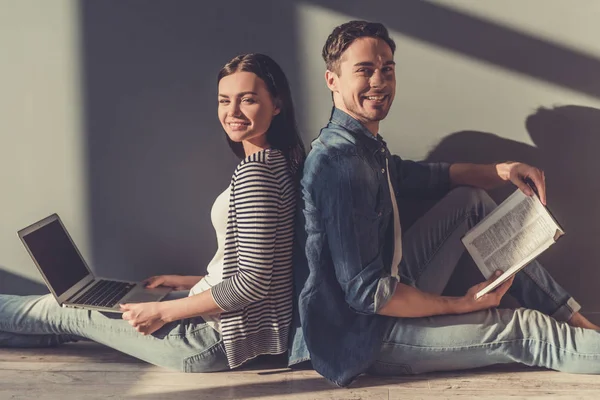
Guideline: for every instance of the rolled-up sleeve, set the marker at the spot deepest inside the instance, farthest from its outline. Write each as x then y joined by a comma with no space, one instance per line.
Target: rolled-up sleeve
346,195
421,179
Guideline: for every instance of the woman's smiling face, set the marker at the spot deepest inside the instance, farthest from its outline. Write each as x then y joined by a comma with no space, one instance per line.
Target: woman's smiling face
246,108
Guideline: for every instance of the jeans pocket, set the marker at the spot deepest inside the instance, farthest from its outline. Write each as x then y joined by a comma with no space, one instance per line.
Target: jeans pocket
167,329
384,368
212,359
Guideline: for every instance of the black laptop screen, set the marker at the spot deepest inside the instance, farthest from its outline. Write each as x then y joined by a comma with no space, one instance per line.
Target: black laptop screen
56,256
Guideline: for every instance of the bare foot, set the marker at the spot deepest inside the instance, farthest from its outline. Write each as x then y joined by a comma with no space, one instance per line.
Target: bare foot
579,321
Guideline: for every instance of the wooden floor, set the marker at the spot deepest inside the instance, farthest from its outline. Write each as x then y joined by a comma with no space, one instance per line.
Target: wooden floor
86,371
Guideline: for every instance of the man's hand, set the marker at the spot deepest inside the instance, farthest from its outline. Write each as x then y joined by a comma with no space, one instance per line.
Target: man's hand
177,282
146,318
468,303
517,173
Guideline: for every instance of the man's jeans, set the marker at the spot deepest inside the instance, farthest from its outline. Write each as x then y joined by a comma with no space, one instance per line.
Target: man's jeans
533,335
189,345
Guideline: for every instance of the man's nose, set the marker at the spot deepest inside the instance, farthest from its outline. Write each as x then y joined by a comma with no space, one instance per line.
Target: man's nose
377,79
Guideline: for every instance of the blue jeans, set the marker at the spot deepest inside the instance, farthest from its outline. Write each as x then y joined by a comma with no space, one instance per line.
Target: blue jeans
536,335
189,345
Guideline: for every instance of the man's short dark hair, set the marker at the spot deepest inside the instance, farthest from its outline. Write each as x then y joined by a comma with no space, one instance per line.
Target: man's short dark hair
343,36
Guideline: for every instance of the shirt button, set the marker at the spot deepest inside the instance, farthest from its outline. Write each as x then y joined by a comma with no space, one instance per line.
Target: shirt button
383,170
382,150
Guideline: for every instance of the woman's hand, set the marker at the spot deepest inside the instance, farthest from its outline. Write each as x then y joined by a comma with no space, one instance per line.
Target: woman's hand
146,318
177,282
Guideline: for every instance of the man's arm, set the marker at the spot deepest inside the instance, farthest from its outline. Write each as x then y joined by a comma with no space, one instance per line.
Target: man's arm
345,195
343,192
410,302
421,179
489,176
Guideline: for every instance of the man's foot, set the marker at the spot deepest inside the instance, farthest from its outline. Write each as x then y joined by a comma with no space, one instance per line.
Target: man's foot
579,321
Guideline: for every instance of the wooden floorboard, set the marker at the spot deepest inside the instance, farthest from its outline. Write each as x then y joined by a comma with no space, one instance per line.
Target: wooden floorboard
89,371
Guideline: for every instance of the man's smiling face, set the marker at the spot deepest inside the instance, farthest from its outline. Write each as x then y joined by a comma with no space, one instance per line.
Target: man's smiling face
364,84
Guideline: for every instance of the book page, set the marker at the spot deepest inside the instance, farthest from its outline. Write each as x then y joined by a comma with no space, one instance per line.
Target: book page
513,270
512,235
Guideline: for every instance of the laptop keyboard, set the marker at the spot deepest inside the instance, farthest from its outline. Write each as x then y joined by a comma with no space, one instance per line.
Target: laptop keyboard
105,293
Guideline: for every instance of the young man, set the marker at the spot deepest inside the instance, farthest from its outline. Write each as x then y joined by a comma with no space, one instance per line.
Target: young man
369,299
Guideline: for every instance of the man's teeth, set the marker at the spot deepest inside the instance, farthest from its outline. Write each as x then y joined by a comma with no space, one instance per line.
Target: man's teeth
375,97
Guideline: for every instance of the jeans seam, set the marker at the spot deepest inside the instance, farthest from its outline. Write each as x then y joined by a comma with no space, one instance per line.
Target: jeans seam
200,327
201,355
482,345
539,285
298,361
432,255
9,328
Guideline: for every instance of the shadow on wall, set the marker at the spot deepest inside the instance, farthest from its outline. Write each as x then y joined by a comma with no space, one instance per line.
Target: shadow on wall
13,284
567,140
480,39
157,155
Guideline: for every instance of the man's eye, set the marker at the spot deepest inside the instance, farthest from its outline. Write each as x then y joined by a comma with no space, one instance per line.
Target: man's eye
223,101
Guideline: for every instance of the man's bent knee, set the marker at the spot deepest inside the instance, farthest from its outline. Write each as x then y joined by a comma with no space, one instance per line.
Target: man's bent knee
474,197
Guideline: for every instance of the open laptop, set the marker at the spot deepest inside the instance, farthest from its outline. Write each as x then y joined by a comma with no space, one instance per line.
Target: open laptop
68,276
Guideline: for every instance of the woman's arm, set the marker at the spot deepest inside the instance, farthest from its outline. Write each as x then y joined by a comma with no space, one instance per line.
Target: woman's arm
177,282
146,318
258,208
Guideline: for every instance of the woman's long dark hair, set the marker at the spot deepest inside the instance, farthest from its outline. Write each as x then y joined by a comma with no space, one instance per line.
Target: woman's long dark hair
283,132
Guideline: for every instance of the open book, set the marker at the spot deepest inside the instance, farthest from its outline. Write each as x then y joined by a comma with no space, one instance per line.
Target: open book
510,237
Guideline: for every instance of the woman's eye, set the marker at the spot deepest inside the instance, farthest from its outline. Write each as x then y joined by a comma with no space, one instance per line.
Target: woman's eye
248,100
223,101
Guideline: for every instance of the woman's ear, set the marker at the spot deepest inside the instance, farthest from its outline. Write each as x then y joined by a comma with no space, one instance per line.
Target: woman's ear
277,108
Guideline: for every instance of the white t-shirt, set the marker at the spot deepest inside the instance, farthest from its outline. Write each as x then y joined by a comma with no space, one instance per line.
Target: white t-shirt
397,228
214,271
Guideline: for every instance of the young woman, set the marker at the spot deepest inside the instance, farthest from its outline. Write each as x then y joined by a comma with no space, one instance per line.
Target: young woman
243,307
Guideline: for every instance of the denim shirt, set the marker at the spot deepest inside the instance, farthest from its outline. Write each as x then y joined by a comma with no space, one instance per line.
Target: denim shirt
344,239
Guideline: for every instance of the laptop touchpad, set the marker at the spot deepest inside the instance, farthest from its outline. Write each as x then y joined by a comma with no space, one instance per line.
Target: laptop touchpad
143,297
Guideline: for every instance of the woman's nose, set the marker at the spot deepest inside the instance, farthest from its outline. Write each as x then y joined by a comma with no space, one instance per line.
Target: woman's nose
234,109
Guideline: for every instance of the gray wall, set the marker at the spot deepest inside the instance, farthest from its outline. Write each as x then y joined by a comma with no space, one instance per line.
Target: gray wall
110,113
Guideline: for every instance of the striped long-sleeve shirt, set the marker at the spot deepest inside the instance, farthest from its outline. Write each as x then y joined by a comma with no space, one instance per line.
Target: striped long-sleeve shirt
256,291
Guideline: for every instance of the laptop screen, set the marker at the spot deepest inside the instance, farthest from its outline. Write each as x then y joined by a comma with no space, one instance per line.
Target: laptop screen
57,256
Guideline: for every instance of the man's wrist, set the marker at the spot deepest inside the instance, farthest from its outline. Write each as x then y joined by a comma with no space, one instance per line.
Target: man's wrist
503,170
455,305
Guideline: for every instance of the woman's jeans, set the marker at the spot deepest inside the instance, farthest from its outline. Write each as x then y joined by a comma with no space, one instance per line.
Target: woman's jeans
535,335
189,345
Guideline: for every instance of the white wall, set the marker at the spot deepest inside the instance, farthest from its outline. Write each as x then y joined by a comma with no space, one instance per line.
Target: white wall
440,91
41,149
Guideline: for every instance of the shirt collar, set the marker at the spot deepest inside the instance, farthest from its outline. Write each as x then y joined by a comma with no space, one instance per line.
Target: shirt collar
358,130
